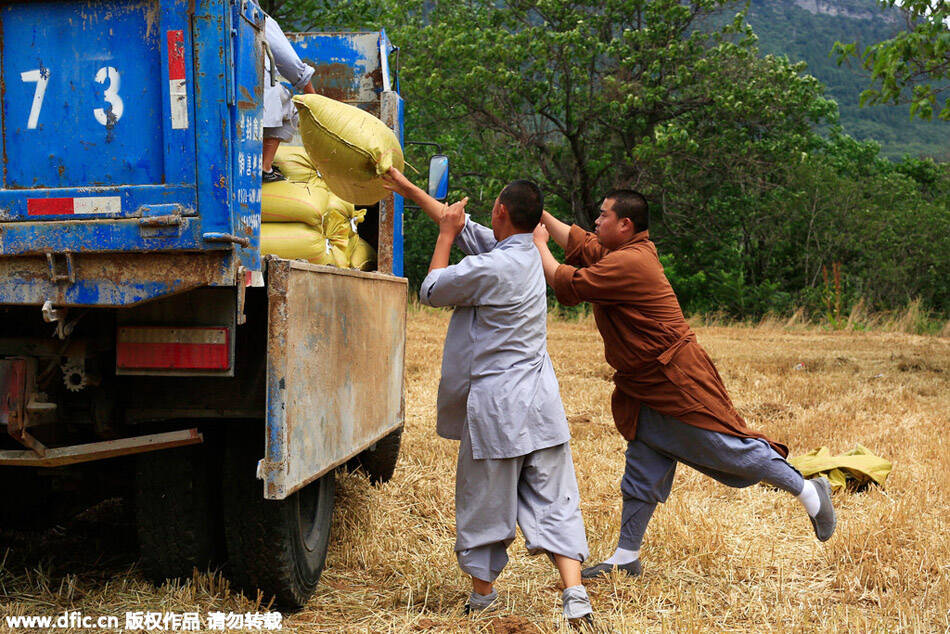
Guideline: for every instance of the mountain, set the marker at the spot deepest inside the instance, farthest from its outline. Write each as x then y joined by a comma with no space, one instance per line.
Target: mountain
806,30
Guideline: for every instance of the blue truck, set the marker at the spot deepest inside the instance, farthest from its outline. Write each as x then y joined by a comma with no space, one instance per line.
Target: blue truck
147,349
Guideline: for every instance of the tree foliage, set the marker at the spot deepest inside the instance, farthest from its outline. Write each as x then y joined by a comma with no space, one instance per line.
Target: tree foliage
754,190
913,66
572,89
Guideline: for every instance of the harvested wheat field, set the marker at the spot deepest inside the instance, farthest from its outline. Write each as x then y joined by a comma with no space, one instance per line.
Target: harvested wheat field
715,558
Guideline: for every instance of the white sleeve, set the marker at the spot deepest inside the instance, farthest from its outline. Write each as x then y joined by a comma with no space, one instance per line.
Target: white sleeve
288,62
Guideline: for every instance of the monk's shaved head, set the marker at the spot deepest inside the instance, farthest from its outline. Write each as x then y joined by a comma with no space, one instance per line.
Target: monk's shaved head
524,202
631,204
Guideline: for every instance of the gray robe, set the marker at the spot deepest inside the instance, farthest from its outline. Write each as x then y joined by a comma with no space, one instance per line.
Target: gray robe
496,372
499,396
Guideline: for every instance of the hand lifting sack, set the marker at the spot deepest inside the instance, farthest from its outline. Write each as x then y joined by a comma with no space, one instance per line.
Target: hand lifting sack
350,147
296,165
284,201
295,241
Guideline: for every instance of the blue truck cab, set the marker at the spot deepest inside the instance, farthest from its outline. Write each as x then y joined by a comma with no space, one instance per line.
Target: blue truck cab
145,343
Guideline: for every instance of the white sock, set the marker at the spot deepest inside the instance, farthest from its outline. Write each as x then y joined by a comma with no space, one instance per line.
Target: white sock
809,498
623,556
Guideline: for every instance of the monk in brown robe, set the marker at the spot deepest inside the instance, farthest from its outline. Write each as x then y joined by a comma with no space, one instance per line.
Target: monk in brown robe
669,401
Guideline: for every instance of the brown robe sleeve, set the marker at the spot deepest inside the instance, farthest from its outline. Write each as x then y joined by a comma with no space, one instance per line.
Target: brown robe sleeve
583,248
611,279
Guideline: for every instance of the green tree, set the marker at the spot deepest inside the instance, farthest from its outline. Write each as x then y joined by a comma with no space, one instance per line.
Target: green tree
325,15
913,66
566,92
749,202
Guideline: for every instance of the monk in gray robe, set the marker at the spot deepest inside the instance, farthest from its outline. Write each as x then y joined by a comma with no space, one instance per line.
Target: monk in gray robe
499,396
669,401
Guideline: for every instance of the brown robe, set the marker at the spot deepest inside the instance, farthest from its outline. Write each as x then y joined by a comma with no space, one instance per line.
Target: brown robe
646,338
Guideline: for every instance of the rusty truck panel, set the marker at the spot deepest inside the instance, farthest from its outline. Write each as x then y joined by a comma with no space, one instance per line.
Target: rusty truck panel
104,279
346,66
335,361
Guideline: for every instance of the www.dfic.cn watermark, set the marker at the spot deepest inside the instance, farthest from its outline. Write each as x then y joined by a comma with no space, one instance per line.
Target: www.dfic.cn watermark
145,621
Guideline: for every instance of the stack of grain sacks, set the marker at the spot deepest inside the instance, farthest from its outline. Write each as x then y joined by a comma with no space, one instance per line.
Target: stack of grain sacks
307,216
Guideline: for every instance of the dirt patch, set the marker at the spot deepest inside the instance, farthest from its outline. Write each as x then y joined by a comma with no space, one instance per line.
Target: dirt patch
512,625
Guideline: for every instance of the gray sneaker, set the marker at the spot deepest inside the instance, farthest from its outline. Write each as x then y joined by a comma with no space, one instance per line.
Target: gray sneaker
824,522
481,604
634,569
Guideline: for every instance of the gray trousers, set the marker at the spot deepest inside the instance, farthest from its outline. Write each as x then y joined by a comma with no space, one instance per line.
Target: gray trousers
538,491
662,441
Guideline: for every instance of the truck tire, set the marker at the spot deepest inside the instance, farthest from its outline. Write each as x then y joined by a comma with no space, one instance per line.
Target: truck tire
177,512
379,461
276,546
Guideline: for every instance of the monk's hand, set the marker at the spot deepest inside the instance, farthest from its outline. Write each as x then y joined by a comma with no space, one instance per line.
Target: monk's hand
541,235
453,218
396,181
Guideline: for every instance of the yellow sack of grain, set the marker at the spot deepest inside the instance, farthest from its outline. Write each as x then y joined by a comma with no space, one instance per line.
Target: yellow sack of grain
361,255
349,146
340,206
296,165
337,229
284,201
295,241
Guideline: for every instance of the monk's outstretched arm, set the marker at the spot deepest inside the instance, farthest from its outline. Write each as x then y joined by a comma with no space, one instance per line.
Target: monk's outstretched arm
548,262
396,181
560,231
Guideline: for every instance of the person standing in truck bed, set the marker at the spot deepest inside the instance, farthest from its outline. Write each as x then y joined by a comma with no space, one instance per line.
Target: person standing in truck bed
498,395
280,115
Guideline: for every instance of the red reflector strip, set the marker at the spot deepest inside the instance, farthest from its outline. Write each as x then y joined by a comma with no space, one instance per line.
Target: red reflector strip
176,54
177,86
143,348
70,206
49,206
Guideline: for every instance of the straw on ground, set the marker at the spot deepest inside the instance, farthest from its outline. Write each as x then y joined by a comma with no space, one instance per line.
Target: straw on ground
715,558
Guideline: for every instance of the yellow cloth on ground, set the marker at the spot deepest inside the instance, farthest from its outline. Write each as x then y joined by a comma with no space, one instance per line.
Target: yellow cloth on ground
858,465
284,201
349,146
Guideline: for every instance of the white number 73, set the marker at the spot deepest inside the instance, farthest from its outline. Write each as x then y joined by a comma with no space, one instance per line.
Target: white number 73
41,77
106,75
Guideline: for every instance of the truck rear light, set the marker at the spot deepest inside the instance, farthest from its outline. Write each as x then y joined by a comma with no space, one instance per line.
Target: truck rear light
155,348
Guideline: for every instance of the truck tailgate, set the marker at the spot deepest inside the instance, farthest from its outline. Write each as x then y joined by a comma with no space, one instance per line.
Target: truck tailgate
335,362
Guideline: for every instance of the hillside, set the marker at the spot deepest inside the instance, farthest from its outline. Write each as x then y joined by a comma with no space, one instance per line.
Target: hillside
806,30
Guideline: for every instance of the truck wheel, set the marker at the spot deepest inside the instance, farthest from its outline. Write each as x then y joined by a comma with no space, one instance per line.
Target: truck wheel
379,461
276,546
176,512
